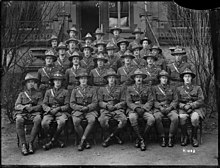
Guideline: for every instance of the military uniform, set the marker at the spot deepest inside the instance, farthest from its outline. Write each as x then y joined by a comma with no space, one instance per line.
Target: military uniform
151,75
120,60
32,98
87,63
62,66
83,98
165,104
137,30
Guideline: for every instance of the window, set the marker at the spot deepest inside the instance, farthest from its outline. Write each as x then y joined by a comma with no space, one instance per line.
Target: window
119,14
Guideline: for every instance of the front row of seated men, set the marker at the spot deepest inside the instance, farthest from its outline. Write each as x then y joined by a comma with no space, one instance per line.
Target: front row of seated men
110,102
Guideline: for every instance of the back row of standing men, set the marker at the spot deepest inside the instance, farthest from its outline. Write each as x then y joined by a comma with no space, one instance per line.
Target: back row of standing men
123,79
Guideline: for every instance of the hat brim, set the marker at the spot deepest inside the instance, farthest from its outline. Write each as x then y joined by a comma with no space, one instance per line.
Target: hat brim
71,57
53,39
103,59
192,74
102,34
91,49
120,30
53,56
118,44
68,41
91,38
111,48
149,41
132,49
77,77
159,49
58,48
130,56
68,31
106,76
96,45
143,76
57,78
154,57
178,53
34,79
158,77
138,32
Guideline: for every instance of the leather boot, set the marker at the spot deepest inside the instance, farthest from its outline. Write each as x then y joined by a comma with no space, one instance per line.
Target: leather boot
195,142
106,142
81,145
48,145
60,143
118,139
24,150
31,148
162,141
170,142
137,131
142,145
185,138
87,144
137,143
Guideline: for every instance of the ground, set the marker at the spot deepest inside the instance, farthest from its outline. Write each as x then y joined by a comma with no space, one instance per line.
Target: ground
127,154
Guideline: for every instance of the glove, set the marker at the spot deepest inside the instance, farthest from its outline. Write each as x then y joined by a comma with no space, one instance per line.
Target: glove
85,109
138,110
187,107
55,110
162,109
28,107
168,109
189,111
110,107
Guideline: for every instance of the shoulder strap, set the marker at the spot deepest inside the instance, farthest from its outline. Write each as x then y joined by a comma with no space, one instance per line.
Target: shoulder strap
45,72
73,72
161,91
148,72
176,68
51,90
27,96
97,72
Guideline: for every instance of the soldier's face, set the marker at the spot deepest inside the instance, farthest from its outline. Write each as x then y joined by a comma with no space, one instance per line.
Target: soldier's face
155,51
86,52
54,43
163,80
100,63
98,36
178,58
145,44
49,60
150,61
72,44
30,84
136,52
57,83
187,79
61,52
127,60
75,61
116,32
100,48
137,35
88,41
138,79
123,46
72,34
111,80
83,80
110,52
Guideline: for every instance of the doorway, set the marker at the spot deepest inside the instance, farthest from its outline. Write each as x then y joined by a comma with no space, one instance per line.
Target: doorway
89,17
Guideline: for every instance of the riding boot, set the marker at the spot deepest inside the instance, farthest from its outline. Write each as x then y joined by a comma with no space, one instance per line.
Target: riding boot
185,138
195,142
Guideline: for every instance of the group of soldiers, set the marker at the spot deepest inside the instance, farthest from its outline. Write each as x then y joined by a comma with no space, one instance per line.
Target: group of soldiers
97,80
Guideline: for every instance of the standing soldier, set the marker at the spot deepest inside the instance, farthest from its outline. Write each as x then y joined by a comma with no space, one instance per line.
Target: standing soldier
100,45
55,106
138,61
112,103
97,74
177,67
191,102
139,100
87,61
72,45
122,45
151,70
113,59
125,71
146,43
54,42
98,35
161,60
28,107
165,104
137,32
87,40
45,73
71,73
62,63
72,32
116,34
83,102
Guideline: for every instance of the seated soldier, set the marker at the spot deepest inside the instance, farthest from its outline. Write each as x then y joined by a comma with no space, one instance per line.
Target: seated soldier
83,102
165,103
112,106
139,100
122,46
161,60
54,42
137,33
146,44
138,61
191,100
55,106
28,107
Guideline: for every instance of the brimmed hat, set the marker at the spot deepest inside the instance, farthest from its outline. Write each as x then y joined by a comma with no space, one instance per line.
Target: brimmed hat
110,46
88,36
178,51
147,39
187,71
115,28
57,75
110,72
138,72
100,56
30,76
100,42
172,49
53,37
135,46
122,40
150,54
82,73
72,39
128,54
163,73
50,53
155,47
99,31
75,54
62,45
87,46
137,30
72,29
